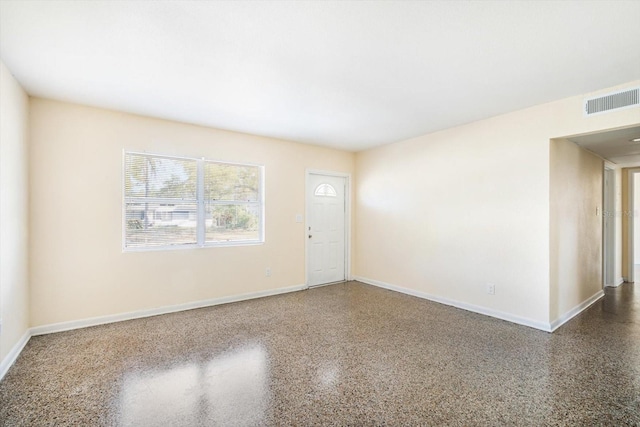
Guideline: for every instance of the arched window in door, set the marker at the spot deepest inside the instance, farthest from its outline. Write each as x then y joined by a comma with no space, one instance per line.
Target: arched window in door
325,190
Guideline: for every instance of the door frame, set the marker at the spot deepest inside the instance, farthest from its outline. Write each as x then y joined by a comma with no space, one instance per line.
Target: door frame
347,219
608,226
628,222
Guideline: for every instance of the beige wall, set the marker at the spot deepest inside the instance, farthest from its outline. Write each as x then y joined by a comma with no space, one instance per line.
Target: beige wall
78,268
628,212
14,211
576,178
446,213
443,214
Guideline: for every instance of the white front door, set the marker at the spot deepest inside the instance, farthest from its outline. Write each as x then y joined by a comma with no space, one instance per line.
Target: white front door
325,229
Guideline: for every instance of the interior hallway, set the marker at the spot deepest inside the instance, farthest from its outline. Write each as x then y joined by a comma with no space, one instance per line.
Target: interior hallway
347,354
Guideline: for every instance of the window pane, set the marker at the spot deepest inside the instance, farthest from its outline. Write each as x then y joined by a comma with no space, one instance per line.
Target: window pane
226,223
152,224
325,190
162,204
231,182
150,176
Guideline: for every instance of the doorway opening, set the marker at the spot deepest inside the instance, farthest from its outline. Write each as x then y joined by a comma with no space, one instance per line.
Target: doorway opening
618,147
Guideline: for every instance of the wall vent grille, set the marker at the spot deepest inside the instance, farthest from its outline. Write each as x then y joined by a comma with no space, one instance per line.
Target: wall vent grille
613,101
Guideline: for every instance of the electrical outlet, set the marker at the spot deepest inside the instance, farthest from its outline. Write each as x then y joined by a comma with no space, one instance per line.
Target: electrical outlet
491,289
267,272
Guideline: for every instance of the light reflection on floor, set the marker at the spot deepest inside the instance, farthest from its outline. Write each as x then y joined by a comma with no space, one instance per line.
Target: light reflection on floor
347,354
328,375
231,386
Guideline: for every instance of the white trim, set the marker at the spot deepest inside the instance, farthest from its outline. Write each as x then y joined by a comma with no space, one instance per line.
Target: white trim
576,310
194,246
347,219
171,156
608,226
616,284
543,326
112,318
631,223
608,164
11,357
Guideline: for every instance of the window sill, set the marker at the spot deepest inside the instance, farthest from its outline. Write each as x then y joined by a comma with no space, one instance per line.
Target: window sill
192,246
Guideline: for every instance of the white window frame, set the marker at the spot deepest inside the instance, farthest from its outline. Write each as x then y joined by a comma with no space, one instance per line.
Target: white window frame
200,202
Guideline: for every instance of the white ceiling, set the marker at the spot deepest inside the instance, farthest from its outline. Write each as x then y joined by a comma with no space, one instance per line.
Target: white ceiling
345,74
616,146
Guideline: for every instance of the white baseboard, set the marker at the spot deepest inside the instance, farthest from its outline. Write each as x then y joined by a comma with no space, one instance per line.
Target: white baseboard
576,310
8,361
616,284
458,304
101,320
10,358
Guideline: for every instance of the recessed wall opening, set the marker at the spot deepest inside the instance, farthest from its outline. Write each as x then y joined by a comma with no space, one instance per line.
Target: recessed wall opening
620,149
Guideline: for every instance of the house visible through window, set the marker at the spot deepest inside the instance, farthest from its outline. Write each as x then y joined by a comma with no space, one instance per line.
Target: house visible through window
179,202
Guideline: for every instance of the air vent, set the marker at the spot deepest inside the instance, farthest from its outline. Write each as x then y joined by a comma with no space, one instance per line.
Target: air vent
613,101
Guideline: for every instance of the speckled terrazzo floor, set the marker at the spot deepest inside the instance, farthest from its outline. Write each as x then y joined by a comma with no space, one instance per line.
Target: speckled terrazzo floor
346,354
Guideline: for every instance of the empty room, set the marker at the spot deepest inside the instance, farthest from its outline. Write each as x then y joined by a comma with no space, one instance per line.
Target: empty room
363,213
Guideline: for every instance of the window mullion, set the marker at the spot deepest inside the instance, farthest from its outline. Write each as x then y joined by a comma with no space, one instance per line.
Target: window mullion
201,225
